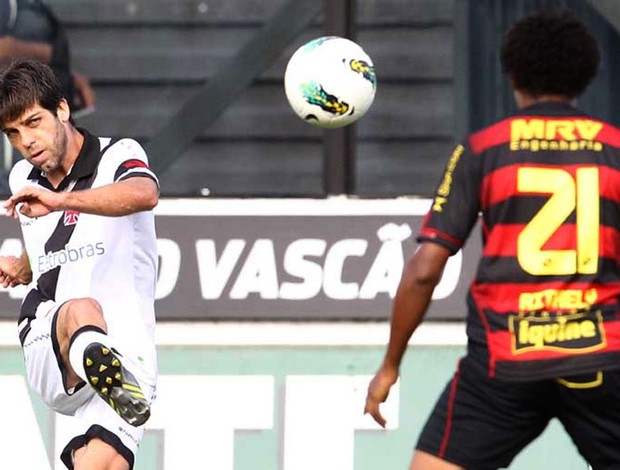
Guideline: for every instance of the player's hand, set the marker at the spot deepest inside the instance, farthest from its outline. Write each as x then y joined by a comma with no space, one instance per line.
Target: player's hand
378,391
14,271
32,202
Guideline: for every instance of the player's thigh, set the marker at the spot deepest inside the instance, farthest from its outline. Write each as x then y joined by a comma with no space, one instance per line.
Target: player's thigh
483,423
589,409
44,367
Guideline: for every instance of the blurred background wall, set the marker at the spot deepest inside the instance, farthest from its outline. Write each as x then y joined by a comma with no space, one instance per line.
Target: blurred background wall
438,78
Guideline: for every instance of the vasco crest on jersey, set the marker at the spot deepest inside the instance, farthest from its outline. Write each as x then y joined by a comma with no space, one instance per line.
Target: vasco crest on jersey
70,218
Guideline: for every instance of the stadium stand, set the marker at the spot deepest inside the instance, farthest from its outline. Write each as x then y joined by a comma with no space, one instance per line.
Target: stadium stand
146,57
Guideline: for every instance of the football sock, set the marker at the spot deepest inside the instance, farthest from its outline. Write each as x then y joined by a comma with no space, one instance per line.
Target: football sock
79,342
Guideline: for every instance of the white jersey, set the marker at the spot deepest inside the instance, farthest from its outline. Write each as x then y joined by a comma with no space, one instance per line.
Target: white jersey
76,255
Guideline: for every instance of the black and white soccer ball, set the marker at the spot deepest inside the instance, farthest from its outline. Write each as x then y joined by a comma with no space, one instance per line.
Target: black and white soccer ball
330,82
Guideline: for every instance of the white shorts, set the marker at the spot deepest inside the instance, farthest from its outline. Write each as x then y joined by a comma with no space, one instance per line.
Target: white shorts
94,418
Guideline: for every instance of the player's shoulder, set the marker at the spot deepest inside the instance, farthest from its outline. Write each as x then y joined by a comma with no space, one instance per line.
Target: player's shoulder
492,135
122,159
21,167
120,144
19,175
122,149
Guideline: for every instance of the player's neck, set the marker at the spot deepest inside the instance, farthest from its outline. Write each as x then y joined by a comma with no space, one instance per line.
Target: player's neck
525,100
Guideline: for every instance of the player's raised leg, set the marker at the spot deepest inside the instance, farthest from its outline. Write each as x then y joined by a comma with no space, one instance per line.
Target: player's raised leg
90,356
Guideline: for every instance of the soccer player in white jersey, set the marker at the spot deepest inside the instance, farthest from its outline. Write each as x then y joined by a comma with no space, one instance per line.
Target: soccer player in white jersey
87,322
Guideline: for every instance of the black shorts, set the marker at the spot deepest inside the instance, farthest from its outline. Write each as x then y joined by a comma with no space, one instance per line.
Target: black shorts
483,423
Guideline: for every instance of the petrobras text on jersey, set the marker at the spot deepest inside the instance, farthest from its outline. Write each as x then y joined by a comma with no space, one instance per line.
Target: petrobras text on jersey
68,254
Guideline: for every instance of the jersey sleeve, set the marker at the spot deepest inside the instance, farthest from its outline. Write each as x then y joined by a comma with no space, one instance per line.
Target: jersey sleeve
129,161
456,202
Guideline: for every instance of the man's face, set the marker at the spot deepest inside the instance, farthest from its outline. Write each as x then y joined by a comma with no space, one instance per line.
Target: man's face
40,137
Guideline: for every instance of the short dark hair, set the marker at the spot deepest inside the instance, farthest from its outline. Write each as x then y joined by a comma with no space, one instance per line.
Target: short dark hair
24,84
550,53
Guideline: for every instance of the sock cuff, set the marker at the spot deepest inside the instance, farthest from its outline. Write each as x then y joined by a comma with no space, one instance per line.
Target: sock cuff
83,329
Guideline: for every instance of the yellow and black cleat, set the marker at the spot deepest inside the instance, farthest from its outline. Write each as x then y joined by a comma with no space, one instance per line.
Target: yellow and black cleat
115,384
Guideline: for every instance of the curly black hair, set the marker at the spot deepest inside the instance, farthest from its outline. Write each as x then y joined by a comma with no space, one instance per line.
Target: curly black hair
550,53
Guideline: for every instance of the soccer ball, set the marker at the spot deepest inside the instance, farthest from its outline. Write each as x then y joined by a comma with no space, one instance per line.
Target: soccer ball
330,82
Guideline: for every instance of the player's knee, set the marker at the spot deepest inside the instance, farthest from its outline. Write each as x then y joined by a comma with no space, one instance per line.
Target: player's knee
83,311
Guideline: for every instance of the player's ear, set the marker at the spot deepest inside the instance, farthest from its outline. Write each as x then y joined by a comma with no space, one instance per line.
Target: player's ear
63,112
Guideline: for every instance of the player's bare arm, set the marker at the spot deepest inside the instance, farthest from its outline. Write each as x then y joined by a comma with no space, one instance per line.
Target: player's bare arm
114,200
422,274
14,270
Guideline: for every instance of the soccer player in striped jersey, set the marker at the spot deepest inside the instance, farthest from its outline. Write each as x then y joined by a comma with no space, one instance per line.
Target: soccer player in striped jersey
86,324
543,320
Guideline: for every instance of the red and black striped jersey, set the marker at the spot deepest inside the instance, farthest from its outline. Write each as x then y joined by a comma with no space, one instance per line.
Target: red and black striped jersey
545,184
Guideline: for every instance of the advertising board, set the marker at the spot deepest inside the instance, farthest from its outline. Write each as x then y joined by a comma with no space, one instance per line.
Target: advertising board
278,259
